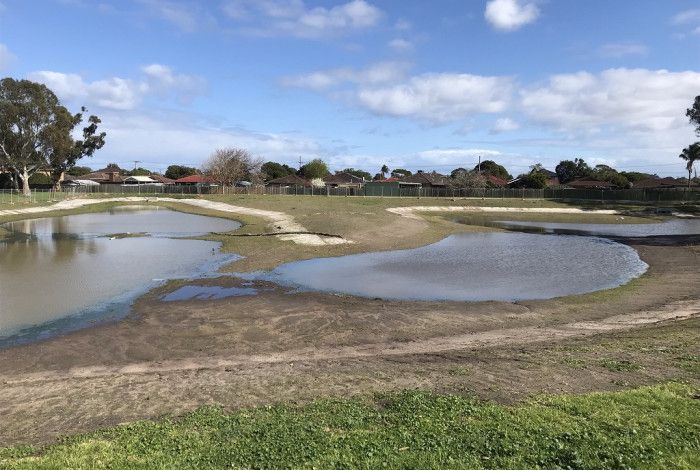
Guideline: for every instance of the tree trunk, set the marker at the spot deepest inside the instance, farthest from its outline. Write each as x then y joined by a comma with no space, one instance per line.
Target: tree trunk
690,172
25,182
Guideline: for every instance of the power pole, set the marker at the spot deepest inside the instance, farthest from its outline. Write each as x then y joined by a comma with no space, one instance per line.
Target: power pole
136,162
479,166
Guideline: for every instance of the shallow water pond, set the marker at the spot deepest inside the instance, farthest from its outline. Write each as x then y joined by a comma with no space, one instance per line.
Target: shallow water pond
690,226
473,267
60,273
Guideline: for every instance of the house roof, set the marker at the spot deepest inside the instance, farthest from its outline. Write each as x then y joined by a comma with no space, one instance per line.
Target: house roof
290,180
667,182
590,183
496,181
162,179
139,179
104,177
343,178
432,179
192,179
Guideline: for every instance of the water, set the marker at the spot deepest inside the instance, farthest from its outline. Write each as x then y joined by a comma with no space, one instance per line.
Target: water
194,292
61,273
473,267
670,227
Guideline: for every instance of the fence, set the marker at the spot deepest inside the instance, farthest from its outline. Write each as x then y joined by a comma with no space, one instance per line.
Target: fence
675,195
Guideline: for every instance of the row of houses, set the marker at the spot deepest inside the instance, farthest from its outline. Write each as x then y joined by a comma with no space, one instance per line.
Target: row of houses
438,181
113,175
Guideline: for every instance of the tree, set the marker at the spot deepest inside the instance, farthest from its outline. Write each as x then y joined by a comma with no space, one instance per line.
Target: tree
492,168
634,176
139,172
274,170
384,170
37,132
316,168
62,151
693,114
534,180
79,170
400,173
228,166
175,172
359,173
467,179
611,175
458,171
690,154
568,170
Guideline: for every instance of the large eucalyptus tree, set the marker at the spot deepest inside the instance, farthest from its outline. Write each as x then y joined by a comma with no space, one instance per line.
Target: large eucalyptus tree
36,132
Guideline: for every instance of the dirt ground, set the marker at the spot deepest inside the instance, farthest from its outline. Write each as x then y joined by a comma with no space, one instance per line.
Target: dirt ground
169,358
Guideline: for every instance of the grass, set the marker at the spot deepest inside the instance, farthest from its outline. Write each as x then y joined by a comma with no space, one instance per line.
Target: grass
649,427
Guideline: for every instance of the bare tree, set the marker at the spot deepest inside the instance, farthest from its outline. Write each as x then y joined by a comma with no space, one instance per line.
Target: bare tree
227,166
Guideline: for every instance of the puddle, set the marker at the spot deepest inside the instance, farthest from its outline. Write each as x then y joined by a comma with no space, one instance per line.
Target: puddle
193,292
62,273
472,267
670,227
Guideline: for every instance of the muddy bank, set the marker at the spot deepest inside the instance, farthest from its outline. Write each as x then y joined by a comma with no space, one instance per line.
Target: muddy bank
170,357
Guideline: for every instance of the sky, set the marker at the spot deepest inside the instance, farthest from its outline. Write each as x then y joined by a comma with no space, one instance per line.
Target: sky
361,83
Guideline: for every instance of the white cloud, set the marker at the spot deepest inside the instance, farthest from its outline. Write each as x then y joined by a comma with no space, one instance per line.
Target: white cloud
509,15
504,125
382,72
120,93
162,139
400,45
294,18
623,49
7,58
631,99
439,97
687,16
456,156
189,16
402,24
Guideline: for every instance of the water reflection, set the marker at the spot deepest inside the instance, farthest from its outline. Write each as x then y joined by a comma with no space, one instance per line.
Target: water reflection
473,267
670,227
57,273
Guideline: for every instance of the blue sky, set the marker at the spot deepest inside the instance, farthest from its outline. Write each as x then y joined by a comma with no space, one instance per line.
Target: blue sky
413,84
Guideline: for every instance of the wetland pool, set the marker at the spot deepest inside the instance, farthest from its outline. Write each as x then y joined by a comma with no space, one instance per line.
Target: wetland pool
61,273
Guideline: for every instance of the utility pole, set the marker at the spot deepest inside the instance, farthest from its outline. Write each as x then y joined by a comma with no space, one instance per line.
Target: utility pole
300,162
479,166
136,162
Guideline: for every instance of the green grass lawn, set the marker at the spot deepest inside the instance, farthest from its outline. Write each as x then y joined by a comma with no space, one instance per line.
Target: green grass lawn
650,427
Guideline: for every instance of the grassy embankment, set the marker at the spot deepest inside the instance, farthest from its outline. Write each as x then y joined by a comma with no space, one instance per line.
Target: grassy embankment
651,427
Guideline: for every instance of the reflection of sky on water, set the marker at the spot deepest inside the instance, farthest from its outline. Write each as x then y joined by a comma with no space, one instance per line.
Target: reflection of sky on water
473,267
61,267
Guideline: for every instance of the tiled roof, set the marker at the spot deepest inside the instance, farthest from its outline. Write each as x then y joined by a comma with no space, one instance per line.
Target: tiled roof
192,179
343,178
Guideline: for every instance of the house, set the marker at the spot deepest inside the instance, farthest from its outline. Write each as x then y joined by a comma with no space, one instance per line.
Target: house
496,181
428,180
590,183
111,174
162,179
391,187
343,180
193,180
289,180
141,180
552,179
662,183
